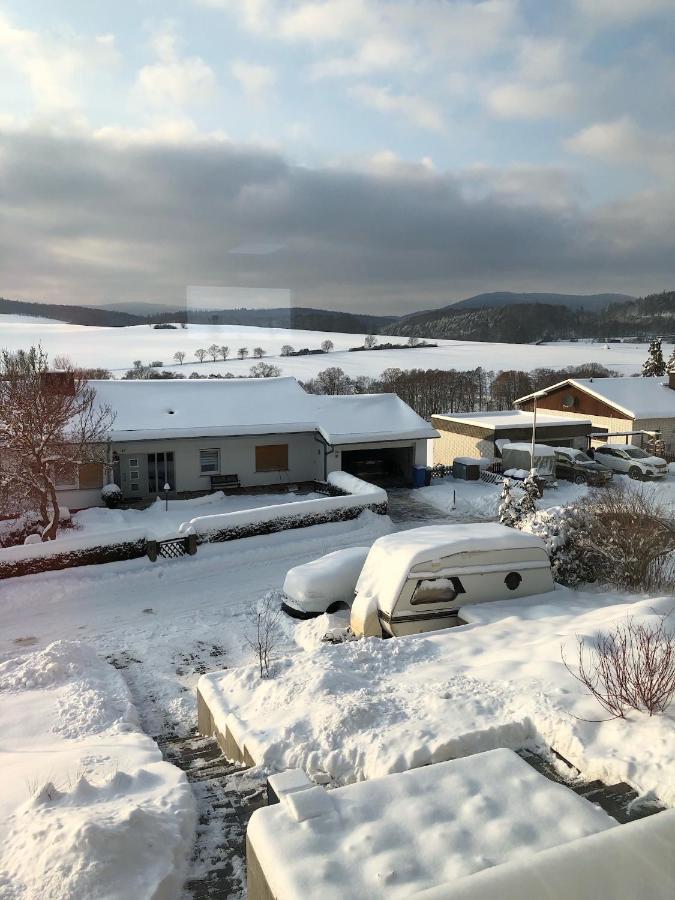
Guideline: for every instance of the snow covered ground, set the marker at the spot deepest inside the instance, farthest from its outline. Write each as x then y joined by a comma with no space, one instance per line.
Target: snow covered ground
117,348
158,521
369,708
88,808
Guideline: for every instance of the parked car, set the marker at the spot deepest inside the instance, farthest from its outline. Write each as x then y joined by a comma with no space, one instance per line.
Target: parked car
418,580
577,466
630,460
323,585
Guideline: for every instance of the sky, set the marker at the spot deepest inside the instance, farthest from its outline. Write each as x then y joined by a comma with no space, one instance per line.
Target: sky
373,156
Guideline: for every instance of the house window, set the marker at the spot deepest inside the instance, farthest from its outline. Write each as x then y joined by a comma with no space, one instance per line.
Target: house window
437,590
271,458
209,462
134,475
133,462
134,487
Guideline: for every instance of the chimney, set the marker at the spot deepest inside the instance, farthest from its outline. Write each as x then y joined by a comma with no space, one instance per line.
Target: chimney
58,384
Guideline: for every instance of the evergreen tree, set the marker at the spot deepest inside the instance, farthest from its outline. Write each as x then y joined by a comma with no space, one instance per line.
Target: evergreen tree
527,505
508,511
670,365
655,364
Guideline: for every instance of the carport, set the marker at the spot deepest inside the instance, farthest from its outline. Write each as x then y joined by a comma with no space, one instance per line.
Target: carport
383,466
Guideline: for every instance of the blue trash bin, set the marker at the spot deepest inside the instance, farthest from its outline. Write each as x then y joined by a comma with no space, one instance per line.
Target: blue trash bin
419,476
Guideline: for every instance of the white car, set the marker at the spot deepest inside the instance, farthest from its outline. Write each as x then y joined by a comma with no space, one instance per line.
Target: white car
323,585
630,460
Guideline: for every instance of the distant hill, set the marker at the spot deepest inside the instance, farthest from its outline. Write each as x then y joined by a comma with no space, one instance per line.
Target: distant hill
571,301
72,315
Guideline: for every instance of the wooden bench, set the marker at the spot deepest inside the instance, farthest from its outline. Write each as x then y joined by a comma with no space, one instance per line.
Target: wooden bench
224,481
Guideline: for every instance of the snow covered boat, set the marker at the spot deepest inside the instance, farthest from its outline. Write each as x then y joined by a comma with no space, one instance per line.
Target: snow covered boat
418,580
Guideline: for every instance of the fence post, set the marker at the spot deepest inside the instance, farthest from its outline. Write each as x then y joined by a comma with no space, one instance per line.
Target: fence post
151,550
191,544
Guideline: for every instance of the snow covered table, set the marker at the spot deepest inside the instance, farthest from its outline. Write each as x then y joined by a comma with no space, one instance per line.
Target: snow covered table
395,836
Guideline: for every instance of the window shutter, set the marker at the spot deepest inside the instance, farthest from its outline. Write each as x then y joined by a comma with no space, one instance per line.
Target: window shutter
91,475
271,458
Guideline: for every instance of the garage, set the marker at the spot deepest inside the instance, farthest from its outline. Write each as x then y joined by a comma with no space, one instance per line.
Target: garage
383,466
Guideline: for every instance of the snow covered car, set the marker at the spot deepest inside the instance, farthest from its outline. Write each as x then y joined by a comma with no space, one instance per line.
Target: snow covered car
417,580
577,466
323,585
631,461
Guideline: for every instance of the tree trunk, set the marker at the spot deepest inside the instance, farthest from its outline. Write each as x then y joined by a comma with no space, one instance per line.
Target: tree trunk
49,532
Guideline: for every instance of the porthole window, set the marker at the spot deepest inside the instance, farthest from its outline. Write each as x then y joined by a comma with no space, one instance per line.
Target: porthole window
513,580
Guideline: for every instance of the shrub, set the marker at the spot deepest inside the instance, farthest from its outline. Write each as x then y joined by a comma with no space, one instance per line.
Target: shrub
630,667
111,494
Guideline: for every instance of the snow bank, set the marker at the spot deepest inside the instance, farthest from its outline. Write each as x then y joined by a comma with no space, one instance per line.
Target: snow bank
394,836
371,707
353,485
89,808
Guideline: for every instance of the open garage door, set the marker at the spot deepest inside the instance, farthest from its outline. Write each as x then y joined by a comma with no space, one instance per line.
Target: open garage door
383,466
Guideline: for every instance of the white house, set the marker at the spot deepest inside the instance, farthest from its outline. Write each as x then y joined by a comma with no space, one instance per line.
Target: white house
199,435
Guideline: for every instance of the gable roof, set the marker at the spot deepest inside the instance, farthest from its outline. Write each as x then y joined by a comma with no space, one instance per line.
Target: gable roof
637,398
153,409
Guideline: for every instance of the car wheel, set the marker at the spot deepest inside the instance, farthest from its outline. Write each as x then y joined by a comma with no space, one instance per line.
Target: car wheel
580,479
635,473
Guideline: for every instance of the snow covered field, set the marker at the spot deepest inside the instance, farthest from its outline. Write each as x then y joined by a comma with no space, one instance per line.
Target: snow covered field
88,808
117,348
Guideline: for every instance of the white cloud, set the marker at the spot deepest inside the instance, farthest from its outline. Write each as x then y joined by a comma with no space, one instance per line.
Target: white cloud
329,20
624,142
526,101
53,67
174,80
377,53
162,132
416,109
255,80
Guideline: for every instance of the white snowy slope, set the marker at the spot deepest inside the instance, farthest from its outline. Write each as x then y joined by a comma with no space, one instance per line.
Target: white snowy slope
88,808
117,348
372,707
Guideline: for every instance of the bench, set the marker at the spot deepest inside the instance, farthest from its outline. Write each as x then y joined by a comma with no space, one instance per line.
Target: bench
225,481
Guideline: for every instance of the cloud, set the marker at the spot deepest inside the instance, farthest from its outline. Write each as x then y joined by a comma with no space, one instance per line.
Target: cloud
527,101
377,53
53,66
255,80
416,109
174,80
622,141
328,20
108,220
622,11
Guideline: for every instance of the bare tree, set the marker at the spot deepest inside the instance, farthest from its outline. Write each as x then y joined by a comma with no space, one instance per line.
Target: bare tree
265,370
214,352
242,352
258,352
369,341
51,424
286,350
224,352
630,667
327,346
179,356
264,633
200,354
413,340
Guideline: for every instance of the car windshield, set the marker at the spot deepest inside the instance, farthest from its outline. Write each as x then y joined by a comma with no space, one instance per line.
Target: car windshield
635,452
581,457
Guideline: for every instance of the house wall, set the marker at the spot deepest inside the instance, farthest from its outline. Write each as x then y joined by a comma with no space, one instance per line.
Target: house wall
237,456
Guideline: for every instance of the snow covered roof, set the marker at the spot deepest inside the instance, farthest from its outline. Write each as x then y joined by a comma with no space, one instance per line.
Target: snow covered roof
638,398
510,418
151,409
400,835
392,557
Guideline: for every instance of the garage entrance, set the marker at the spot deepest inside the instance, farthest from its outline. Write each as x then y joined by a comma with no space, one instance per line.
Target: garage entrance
383,466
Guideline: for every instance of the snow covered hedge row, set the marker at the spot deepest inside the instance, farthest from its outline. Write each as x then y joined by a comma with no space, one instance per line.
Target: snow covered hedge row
282,517
70,552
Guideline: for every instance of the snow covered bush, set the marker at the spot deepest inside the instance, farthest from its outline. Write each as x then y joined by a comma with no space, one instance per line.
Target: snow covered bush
573,561
508,507
630,667
111,494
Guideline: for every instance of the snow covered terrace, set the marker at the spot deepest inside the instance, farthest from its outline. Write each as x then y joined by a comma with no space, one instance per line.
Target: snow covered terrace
249,406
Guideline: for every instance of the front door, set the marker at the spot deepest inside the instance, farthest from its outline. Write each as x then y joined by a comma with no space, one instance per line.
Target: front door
133,469
160,472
